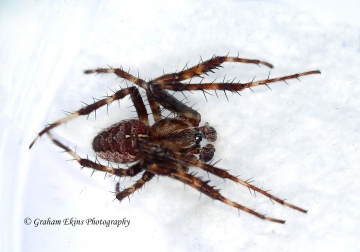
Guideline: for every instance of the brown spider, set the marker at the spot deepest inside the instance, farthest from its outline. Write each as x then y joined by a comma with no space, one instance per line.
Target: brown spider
168,147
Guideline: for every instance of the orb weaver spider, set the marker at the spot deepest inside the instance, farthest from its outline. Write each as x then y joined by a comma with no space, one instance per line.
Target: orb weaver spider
169,146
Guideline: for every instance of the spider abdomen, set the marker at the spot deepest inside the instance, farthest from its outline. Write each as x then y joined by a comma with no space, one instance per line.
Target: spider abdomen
117,143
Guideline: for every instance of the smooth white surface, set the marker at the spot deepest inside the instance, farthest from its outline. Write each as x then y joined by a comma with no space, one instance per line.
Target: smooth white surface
301,141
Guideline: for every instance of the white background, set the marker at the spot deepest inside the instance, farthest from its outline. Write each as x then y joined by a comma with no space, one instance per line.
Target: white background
301,141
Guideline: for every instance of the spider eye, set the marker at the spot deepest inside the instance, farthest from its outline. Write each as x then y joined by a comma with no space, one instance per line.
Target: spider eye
198,138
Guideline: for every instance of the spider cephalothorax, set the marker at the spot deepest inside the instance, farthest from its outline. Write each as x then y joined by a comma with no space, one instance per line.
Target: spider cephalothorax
168,147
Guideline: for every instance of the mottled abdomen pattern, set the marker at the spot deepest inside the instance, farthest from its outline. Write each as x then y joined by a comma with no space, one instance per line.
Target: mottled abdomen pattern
117,142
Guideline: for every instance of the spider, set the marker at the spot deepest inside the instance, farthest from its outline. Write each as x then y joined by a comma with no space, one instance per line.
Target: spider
168,147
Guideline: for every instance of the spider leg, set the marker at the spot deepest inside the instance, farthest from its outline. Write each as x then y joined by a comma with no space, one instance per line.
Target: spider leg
226,86
155,108
203,187
133,91
131,171
169,102
204,67
154,96
190,160
121,73
174,105
139,106
120,195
